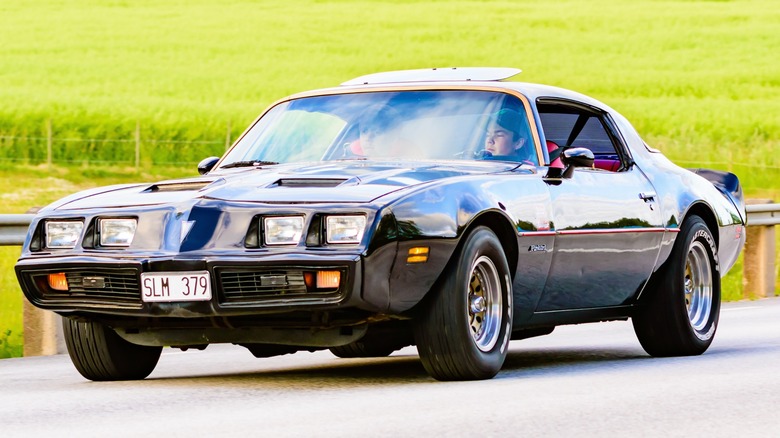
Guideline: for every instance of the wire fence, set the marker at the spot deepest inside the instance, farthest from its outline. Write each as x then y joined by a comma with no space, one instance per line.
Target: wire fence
141,151
138,151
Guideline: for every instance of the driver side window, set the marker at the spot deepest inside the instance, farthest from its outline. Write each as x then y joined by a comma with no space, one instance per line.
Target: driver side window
574,126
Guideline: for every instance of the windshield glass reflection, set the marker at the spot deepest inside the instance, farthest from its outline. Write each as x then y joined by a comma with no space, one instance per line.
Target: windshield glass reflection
413,125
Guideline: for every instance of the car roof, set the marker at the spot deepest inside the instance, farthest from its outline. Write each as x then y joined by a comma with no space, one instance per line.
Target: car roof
457,77
450,74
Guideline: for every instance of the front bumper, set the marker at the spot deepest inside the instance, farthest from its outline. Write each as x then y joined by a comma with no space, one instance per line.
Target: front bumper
112,286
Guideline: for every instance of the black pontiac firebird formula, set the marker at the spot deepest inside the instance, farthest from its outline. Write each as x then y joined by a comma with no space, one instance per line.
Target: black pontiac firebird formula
449,209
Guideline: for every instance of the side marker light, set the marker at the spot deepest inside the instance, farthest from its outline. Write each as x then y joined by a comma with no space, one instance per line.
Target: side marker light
417,254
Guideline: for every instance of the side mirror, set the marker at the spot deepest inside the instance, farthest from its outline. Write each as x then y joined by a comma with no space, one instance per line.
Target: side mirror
576,157
207,164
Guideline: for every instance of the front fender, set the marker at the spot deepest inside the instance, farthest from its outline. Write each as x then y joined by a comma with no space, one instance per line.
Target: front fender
438,218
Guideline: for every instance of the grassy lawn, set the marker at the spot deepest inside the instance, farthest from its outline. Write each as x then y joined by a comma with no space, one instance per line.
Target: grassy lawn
10,305
699,79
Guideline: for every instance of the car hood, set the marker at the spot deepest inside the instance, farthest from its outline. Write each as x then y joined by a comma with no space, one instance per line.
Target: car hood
326,182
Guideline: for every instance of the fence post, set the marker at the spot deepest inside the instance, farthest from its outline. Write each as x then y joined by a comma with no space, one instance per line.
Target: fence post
758,279
227,139
42,332
49,140
137,145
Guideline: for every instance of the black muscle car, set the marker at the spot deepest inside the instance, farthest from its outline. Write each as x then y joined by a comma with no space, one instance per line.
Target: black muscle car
449,209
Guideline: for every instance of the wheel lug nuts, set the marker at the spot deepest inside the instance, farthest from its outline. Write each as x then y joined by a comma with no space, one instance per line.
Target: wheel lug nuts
477,304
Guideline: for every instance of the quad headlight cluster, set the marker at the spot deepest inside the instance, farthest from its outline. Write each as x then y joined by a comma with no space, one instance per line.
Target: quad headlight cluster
112,232
276,230
338,229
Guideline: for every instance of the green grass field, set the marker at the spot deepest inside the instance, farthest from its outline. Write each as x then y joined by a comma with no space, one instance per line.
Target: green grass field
699,79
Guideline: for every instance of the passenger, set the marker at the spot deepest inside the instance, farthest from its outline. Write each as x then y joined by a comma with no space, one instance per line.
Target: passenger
508,138
379,134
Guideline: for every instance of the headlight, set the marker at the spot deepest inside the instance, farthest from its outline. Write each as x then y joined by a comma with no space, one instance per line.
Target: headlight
117,232
345,229
61,234
283,230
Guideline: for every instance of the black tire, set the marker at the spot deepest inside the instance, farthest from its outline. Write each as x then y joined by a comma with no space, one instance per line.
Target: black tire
362,349
678,313
99,354
463,329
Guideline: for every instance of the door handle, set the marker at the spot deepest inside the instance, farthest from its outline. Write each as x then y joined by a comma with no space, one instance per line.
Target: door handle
647,196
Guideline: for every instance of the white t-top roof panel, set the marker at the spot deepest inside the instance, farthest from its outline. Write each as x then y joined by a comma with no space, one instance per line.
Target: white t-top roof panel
449,74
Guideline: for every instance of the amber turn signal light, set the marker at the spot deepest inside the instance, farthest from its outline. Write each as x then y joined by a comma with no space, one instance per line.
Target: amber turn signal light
58,281
328,279
308,279
417,254
321,280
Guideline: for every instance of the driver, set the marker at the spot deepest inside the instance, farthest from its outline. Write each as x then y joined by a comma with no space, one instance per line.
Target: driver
507,137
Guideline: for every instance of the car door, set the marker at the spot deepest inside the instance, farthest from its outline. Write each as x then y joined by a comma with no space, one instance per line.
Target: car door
608,228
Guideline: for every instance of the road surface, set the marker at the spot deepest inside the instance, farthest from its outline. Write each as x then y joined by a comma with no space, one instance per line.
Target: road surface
585,380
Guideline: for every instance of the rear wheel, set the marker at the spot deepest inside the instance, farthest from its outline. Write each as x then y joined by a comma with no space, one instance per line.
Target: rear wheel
680,313
99,354
463,330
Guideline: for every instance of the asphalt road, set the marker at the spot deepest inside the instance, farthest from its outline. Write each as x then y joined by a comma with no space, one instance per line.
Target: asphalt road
587,380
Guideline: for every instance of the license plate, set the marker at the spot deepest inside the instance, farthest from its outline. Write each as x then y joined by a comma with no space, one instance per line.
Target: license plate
175,286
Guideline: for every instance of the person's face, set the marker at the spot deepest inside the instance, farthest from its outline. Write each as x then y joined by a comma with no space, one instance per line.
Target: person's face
373,141
368,140
498,141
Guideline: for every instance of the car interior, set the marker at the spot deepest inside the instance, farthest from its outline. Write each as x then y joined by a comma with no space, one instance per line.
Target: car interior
567,125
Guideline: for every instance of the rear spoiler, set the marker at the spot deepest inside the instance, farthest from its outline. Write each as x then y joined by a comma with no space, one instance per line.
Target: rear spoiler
726,182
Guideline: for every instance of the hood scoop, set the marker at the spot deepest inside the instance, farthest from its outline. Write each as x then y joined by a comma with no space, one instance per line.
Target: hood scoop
309,182
177,187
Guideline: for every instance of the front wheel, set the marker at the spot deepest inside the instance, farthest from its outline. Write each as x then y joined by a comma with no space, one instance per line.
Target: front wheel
680,312
463,330
99,354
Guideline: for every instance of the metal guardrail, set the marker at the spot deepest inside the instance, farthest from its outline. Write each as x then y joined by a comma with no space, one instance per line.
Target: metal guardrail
763,214
13,227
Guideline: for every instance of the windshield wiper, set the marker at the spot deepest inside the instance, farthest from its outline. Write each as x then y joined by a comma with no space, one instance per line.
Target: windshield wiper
249,163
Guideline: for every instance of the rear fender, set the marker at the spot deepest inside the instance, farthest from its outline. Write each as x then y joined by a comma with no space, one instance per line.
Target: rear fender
728,184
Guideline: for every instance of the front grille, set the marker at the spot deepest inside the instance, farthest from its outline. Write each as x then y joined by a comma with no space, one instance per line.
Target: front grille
99,286
258,285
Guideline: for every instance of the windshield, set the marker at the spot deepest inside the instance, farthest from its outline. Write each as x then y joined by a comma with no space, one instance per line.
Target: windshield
438,125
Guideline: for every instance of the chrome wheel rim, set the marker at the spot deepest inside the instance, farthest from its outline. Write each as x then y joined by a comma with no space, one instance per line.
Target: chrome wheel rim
484,303
698,287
